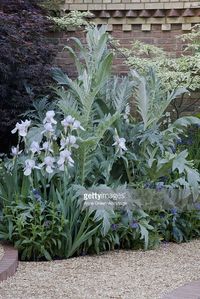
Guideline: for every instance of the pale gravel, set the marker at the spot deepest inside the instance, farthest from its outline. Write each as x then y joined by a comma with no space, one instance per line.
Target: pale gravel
114,275
1,251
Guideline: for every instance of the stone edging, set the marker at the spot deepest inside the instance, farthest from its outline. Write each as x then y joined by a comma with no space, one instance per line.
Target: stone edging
188,291
9,262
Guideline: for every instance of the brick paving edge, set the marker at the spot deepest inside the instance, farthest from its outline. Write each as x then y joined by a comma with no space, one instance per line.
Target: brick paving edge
9,262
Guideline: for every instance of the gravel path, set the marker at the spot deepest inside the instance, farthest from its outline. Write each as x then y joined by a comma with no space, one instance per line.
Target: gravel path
114,275
1,251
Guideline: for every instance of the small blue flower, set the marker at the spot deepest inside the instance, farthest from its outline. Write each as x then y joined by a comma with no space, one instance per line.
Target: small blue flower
162,215
134,224
37,195
159,186
114,226
197,206
148,185
174,211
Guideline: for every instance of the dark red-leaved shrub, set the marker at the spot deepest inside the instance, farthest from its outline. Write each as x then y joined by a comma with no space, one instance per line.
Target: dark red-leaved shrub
25,60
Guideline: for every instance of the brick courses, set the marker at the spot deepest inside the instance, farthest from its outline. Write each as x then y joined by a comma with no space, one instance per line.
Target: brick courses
162,35
157,22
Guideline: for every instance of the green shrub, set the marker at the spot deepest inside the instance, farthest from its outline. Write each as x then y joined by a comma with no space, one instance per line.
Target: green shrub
173,72
191,142
43,226
177,226
25,61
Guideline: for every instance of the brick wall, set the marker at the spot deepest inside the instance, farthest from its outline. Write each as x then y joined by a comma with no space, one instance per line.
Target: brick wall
153,21
157,22
165,39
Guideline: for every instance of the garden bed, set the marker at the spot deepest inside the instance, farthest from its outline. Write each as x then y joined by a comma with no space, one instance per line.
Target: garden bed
118,274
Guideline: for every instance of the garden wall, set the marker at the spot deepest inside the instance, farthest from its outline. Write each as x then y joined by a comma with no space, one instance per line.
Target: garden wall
153,21
157,22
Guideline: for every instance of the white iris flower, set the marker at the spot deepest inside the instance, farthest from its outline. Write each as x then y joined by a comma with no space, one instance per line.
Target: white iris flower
50,118
22,128
65,158
29,166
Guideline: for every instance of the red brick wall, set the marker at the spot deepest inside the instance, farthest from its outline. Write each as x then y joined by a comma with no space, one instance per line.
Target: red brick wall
164,39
